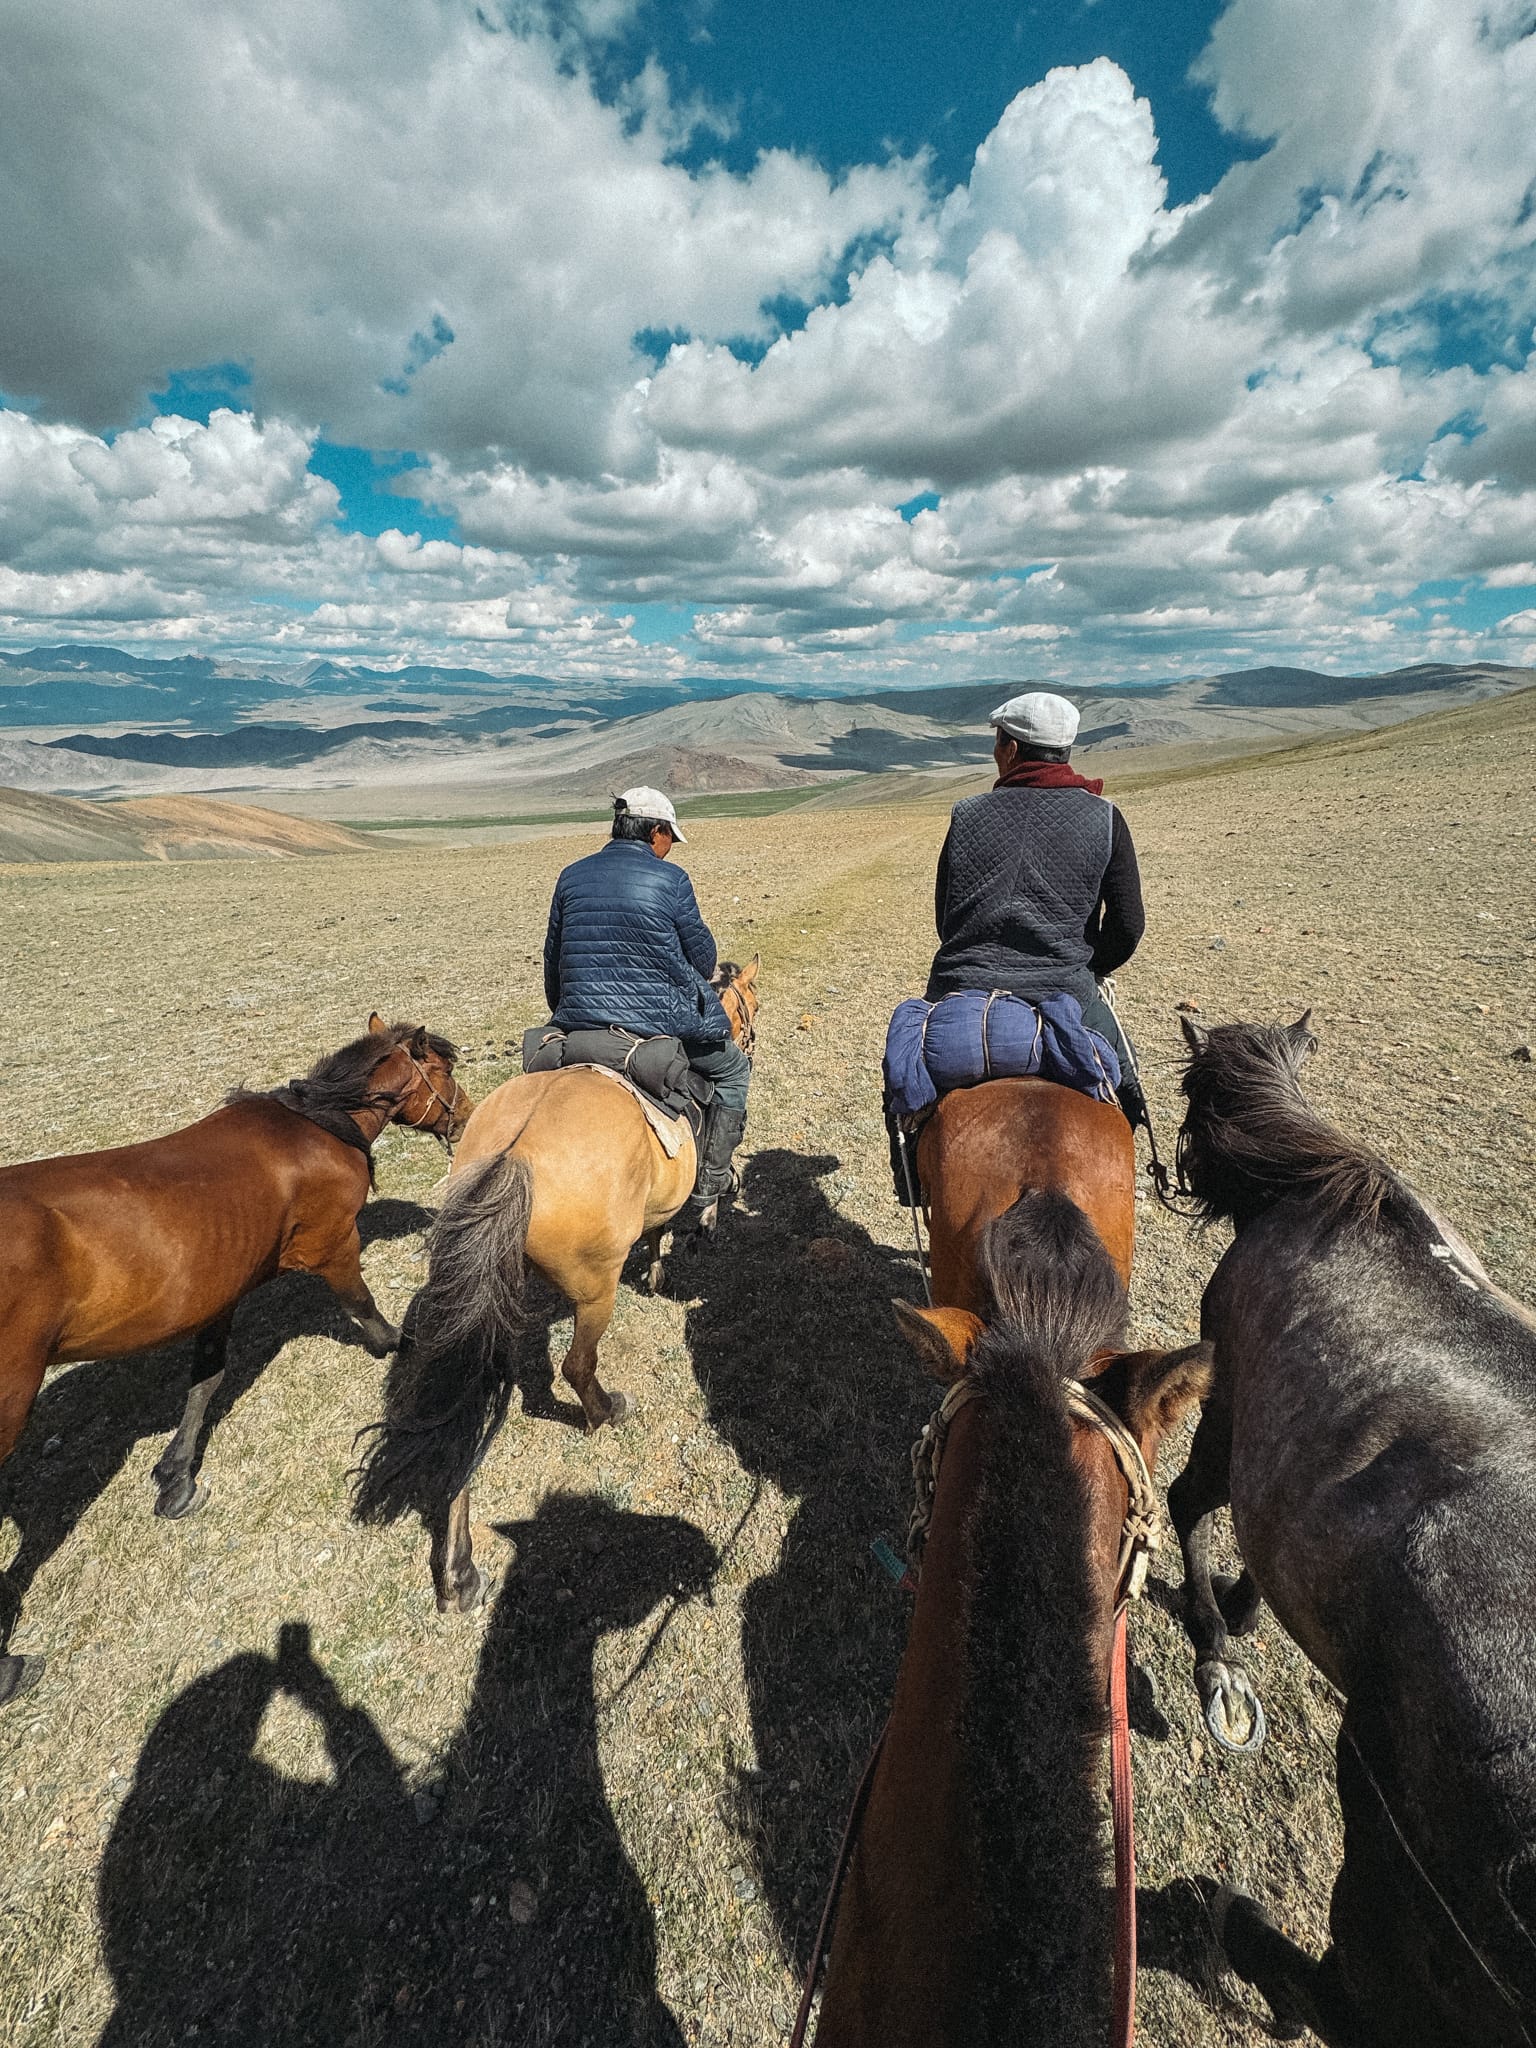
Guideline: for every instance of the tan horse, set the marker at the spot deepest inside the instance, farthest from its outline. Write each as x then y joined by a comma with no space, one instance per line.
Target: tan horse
560,1171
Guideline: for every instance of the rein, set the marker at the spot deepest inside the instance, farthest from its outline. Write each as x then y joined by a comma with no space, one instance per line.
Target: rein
1140,1534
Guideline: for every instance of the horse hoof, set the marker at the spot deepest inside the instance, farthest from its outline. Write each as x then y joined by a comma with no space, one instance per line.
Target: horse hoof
1146,1714
654,1277
470,1595
18,1675
176,1503
1232,1710
381,1341
620,1408
1240,1614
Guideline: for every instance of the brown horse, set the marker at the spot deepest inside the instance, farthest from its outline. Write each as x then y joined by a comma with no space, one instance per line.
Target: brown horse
561,1171
968,1911
106,1253
983,1146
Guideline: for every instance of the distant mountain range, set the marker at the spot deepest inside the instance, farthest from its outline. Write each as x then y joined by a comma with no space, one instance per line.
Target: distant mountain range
94,722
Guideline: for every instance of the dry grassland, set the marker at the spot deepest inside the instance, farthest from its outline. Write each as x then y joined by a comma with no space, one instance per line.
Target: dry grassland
598,1811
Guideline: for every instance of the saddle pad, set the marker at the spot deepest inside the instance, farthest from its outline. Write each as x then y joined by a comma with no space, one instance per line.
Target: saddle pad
670,1130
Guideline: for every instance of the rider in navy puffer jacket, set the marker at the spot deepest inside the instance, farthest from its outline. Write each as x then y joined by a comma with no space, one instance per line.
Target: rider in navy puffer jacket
626,945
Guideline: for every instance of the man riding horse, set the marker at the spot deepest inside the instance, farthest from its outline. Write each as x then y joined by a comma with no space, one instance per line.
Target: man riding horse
626,946
1038,891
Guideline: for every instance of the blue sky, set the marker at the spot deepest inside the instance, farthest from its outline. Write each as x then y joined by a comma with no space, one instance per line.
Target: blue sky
847,346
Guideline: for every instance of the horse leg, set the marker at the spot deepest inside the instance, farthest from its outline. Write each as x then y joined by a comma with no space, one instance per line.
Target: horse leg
1232,1710
653,1271
18,1391
343,1274
457,1579
179,1493
579,1366
1301,1993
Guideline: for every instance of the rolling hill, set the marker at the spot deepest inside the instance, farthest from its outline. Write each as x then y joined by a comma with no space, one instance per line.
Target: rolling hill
49,828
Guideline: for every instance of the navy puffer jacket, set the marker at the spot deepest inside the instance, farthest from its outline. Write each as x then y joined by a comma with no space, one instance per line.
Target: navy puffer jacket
626,945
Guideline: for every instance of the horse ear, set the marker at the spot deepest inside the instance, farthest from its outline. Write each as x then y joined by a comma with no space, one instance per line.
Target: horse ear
941,1337
420,1041
1194,1037
1301,1032
1161,1385
748,973
376,1022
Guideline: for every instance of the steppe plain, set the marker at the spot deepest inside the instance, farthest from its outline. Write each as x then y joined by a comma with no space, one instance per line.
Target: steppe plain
591,1806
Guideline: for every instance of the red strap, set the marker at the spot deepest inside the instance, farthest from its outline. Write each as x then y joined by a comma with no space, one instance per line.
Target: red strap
1122,2026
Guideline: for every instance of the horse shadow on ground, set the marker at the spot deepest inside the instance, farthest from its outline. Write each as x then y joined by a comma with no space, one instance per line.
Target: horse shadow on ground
496,1906
1176,1933
88,1418
796,1349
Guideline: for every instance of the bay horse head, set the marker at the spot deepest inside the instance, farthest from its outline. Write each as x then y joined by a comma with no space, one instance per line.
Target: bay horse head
737,990
1146,1392
414,1073
980,1836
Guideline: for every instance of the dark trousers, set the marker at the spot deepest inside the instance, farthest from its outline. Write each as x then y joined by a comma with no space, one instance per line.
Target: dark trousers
723,1062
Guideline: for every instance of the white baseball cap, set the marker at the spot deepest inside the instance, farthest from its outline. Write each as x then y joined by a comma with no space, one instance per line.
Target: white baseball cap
1038,719
650,803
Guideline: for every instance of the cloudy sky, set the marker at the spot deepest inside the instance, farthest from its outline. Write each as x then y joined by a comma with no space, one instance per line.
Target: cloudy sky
823,344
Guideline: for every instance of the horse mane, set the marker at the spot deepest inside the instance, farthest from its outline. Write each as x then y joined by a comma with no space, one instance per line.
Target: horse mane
1250,1137
1033,1707
341,1082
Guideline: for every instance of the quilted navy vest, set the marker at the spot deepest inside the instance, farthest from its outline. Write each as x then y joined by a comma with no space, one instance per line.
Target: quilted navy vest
1020,877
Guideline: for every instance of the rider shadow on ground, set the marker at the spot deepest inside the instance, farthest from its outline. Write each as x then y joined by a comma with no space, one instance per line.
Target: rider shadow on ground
88,1418
806,1376
240,1905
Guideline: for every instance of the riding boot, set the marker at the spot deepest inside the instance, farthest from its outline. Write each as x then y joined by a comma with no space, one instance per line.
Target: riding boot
1132,1101
723,1131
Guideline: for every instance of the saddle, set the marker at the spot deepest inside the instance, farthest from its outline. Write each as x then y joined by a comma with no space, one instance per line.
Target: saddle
657,1067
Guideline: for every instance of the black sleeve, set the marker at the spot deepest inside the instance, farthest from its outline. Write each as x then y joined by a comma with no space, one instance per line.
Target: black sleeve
1116,927
552,955
941,887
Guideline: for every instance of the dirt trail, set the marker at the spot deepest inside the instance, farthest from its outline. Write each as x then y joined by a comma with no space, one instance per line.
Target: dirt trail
699,1773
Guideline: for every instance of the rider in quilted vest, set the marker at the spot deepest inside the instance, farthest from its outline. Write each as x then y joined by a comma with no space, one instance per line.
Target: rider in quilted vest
626,946
1038,891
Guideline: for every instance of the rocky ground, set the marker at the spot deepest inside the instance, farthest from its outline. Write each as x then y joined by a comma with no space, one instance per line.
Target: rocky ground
608,1794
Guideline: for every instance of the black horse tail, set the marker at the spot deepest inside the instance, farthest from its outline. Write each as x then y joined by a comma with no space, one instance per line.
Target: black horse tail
451,1382
1033,1703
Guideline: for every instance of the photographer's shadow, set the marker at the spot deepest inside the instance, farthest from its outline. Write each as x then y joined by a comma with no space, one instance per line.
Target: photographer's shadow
496,1904
89,1417
806,1376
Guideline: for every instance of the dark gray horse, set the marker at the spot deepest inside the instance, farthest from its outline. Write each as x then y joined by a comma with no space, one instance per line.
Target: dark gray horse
1372,1421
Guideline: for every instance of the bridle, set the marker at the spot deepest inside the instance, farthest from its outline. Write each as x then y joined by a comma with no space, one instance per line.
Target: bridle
449,1107
1140,1534
746,1011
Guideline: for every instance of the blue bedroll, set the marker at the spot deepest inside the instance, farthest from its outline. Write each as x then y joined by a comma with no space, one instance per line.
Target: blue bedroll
975,1036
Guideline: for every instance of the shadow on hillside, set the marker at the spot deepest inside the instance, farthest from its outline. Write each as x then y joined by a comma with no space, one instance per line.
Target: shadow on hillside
241,1905
88,1419
805,1375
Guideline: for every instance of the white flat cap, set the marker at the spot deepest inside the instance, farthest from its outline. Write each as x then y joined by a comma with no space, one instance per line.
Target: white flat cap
650,803
1038,719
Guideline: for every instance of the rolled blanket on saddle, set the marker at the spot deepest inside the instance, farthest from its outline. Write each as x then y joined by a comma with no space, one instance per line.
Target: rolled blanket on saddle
974,1035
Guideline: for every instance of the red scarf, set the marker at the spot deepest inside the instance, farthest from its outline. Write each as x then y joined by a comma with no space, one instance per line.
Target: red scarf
1047,775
